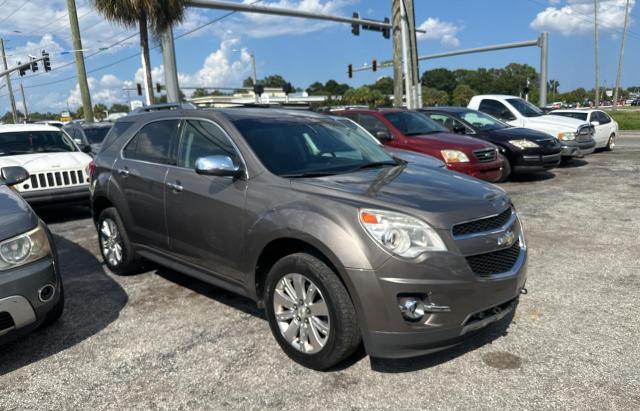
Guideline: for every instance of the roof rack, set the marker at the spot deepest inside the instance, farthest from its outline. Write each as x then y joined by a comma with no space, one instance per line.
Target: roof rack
165,106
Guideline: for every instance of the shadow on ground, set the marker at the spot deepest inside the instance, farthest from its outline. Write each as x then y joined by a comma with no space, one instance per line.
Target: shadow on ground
574,163
93,300
532,177
62,213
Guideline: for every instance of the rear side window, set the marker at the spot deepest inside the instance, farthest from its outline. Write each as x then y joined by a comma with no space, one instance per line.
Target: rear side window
371,123
201,139
116,131
153,142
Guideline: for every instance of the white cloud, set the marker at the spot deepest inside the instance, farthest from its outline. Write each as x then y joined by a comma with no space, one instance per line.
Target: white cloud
576,17
444,31
106,90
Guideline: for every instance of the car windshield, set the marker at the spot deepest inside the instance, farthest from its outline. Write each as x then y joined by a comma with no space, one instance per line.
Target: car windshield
95,135
579,116
307,147
410,123
482,121
525,108
31,142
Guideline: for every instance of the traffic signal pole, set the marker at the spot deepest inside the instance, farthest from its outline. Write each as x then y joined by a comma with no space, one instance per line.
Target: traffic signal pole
24,103
12,99
79,57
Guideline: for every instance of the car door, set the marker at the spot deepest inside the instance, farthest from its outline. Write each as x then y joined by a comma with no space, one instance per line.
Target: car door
206,214
604,129
499,111
140,173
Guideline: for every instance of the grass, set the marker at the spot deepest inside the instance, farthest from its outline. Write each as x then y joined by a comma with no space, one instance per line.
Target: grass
627,119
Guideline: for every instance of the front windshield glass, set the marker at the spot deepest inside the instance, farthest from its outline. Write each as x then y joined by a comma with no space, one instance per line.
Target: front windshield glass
411,123
482,121
305,147
525,108
32,142
95,135
579,116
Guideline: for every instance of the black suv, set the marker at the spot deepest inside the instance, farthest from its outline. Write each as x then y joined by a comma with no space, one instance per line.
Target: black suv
338,240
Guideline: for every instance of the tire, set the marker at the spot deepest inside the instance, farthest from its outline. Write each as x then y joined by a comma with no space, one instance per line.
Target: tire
318,350
611,143
115,247
506,169
56,311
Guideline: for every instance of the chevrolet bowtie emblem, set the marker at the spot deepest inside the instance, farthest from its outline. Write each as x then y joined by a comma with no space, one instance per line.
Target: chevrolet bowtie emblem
507,238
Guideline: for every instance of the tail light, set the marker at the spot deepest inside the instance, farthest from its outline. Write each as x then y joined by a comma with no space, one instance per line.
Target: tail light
92,168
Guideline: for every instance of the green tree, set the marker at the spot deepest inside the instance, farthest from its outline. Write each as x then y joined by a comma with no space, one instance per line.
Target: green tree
248,82
462,94
100,111
440,79
365,96
158,15
274,80
317,89
79,114
200,92
119,108
384,85
434,97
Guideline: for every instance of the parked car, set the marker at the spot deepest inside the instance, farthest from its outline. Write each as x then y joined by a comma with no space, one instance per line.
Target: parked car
337,240
59,170
88,134
31,291
523,150
413,131
576,136
636,102
606,128
58,124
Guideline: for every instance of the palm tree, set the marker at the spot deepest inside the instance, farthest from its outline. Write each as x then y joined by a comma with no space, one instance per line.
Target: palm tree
158,15
553,86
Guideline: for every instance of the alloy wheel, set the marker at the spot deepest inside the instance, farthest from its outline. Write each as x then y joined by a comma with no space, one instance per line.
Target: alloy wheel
301,313
110,242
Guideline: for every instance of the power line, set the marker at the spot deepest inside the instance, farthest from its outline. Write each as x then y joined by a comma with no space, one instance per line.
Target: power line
15,11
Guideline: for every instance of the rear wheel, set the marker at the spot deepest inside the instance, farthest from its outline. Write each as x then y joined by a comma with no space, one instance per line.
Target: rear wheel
611,143
506,169
310,312
116,250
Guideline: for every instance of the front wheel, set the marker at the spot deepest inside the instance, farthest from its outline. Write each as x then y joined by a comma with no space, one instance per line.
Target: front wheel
310,312
115,247
506,169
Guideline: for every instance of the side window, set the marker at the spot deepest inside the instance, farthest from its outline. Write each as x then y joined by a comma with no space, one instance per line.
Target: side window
372,124
441,119
201,139
450,123
496,109
603,118
153,142
116,131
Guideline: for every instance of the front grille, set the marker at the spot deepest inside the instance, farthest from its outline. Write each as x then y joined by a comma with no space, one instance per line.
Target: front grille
6,321
485,155
56,179
495,262
483,224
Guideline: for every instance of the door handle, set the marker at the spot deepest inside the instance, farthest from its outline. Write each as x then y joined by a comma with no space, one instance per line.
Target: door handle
123,172
175,186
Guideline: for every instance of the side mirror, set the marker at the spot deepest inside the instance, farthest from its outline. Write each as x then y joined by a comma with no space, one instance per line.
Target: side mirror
85,148
595,123
383,135
78,141
221,166
459,129
14,175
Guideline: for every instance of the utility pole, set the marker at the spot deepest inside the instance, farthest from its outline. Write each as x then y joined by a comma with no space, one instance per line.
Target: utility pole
624,35
595,29
24,103
413,54
12,100
397,54
543,43
254,73
79,57
170,67
404,30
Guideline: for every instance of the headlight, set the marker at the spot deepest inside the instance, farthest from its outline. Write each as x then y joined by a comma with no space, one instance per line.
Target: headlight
24,248
522,144
401,234
454,156
567,136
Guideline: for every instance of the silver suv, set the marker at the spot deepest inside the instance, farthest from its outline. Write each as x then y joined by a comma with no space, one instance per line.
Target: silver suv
338,240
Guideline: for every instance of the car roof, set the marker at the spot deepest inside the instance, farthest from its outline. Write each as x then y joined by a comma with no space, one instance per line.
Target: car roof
575,110
93,125
12,128
503,96
448,109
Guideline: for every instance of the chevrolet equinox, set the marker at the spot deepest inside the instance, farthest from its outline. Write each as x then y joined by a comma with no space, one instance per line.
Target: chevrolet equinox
340,242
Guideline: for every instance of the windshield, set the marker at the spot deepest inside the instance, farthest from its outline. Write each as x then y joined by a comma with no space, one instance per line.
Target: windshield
482,121
410,123
302,147
525,108
579,116
31,142
95,135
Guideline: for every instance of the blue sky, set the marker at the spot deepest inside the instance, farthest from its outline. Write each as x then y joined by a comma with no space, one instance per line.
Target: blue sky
305,51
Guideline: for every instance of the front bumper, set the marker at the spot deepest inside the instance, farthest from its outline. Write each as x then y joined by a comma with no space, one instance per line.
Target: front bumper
491,171
577,149
57,195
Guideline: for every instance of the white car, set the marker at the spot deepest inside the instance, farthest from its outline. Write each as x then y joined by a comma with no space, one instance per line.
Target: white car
58,169
606,128
576,136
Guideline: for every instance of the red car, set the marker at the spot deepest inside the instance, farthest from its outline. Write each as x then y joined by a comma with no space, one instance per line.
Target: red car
414,131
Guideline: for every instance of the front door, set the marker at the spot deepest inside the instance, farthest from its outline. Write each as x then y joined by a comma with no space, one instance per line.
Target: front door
206,214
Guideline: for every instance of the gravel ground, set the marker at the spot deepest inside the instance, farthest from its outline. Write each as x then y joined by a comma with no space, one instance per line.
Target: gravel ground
162,340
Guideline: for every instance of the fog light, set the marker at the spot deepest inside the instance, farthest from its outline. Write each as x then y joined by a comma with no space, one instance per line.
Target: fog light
412,308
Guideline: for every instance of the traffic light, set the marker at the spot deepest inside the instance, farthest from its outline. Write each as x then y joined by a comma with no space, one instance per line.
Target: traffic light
34,66
258,89
139,87
386,32
355,27
21,70
45,61
158,87
374,65
350,70
287,88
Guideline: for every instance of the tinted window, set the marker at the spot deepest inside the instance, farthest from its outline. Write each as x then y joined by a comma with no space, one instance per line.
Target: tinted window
410,123
153,142
201,139
525,108
496,109
30,142
603,118
579,116
482,121
294,147
95,135
371,124
448,122
116,131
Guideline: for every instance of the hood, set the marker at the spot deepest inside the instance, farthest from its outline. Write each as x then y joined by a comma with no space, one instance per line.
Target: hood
16,217
516,133
443,141
417,158
558,122
39,162
439,196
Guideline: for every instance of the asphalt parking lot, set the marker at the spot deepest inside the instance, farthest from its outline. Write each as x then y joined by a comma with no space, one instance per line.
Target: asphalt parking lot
162,340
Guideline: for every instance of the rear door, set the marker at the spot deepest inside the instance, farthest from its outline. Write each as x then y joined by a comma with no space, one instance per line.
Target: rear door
140,172
206,214
603,130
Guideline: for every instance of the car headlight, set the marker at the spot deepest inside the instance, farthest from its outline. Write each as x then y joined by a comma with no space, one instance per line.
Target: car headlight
454,156
567,136
401,234
524,143
24,248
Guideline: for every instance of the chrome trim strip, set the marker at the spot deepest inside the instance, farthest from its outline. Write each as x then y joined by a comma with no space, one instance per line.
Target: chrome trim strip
498,230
